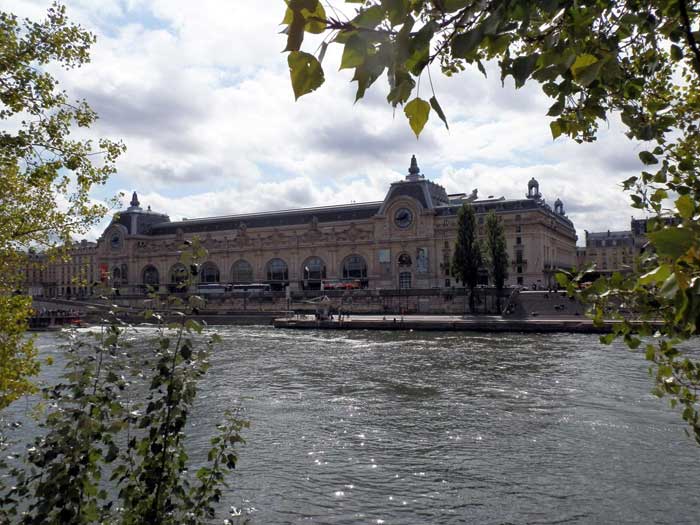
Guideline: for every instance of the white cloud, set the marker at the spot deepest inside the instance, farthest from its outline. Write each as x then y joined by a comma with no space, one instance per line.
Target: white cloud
200,93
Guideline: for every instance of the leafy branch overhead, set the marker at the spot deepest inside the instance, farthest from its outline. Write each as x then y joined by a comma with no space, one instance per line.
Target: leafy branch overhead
591,58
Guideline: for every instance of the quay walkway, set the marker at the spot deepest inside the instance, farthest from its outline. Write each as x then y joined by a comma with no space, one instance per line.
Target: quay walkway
445,323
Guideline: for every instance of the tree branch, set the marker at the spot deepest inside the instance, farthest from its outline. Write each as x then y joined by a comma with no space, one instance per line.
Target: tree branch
689,35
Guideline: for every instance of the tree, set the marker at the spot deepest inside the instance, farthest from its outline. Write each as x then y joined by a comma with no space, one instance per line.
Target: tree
112,445
467,257
636,60
496,254
47,173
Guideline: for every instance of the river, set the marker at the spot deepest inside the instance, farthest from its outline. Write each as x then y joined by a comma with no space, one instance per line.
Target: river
408,428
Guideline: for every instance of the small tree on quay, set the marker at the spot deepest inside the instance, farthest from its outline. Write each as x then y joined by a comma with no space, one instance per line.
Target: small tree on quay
467,256
496,254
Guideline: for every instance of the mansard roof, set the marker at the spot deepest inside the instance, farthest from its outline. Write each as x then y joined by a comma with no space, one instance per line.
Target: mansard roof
610,234
323,214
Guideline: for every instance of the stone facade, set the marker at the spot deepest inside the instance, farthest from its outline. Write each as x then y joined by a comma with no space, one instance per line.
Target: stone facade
70,272
404,241
617,251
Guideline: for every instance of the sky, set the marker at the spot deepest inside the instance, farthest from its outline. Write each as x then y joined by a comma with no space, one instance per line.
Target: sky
200,94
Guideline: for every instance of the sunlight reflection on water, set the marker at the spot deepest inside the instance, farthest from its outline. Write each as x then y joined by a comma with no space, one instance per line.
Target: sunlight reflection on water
373,427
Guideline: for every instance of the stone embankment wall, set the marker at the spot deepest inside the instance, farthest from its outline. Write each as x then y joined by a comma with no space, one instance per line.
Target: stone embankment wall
517,305
438,301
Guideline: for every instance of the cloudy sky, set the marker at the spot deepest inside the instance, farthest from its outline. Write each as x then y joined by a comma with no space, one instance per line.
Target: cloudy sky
200,93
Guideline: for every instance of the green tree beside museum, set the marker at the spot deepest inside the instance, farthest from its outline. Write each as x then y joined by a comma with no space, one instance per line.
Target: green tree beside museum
467,258
496,255
47,172
638,61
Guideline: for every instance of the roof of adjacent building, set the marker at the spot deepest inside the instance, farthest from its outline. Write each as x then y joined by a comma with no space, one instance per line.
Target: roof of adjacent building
609,235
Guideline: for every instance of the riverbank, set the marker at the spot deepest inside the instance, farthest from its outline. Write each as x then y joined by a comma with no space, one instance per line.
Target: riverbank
447,323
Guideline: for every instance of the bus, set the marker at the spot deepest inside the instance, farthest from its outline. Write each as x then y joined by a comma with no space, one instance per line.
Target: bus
251,288
213,288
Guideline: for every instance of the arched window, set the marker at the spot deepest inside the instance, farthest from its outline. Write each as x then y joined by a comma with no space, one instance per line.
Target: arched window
125,274
354,267
405,260
178,275
150,276
314,269
209,273
277,270
242,272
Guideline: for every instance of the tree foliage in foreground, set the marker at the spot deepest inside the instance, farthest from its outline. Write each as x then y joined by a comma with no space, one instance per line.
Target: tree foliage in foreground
47,172
113,444
467,258
639,60
496,254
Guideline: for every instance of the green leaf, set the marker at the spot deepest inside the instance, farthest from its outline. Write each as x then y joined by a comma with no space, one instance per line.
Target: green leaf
658,274
555,127
556,108
585,69
436,106
465,43
676,53
305,71
417,111
396,10
648,158
672,242
295,32
369,18
607,338
685,206
522,68
581,62
353,52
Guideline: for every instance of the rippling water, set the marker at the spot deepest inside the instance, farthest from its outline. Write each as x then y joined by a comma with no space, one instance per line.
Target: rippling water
372,427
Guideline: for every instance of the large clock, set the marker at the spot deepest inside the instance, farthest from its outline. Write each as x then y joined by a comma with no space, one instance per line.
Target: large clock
403,217
115,241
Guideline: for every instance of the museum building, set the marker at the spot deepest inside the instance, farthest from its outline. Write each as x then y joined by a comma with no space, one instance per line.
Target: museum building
404,241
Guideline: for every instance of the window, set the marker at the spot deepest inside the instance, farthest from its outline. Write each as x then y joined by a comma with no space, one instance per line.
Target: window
314,269
354,267
150,276
209,273
518,229
404,280
405,260
518,240
520,269
178,273
277,270
242,272
520,280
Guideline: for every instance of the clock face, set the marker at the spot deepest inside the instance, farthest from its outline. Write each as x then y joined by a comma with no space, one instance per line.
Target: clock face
403,217
115,241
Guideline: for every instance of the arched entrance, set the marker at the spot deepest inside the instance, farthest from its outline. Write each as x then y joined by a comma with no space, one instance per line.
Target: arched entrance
209,273
405,264
354,268
150,278
241,272
277,274
178,278
313,273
